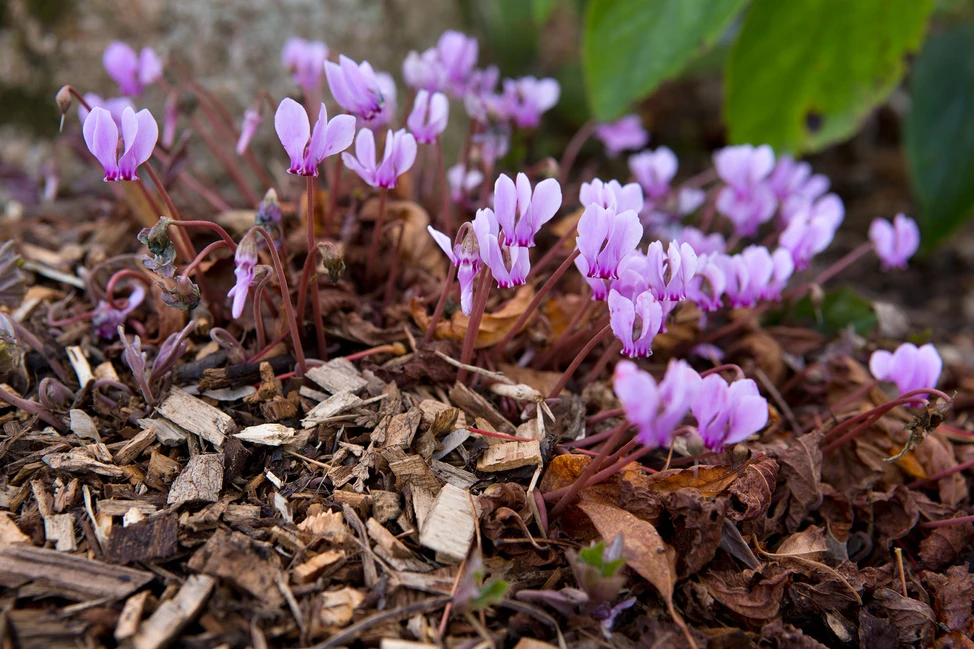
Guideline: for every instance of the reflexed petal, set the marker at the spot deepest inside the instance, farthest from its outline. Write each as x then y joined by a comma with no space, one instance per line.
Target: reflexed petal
339,87
880,364
101,136
505,203
443,242
122,64
150,66
140,134
339,135
622,319
293,129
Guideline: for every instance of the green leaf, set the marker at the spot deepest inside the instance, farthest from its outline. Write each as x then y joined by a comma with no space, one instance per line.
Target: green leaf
806,73
490,594
940,133
840,309
630,46
541,10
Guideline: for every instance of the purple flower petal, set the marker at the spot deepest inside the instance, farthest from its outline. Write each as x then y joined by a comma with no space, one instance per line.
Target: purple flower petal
122,64
140,134
101,136
294,130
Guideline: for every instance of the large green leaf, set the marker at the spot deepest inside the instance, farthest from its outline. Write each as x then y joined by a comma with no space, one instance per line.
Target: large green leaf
805,73
838,310
630,46
940,132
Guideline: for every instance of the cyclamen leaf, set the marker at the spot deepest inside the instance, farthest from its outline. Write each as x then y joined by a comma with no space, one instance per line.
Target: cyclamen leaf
805,74
939,135
629,47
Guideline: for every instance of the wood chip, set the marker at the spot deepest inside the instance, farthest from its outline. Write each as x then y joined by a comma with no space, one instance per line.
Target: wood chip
454,475
131,615
385,505
166,432
318,565
171,616
79,362
337,375
151,539
197,416
331,407
121,507
267,434
449,526
393,550
162,471
200,481
83,425
134,447
10,534
106,371
335,609
80,460
510,455
59,529
68,575
328,525
244,562
474,404
531,643
395,643
402,428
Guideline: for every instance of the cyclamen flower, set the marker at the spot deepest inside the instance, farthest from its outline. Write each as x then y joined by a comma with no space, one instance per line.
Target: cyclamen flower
305,61
600,287
895,242
429,116
245,261
908,367
747,200
767,273
170,119
706,287
605,238
139,134
728,414
462,182
626,133
791,178
465,255
529,97
400,154
612,195
424,71
655,410
689,200
355,87
106,320
702,244
654,170
670,273
622,319
493,142
115,106
132,72
251,120
457,54
521,212
509,264
737,280
308,148
812,229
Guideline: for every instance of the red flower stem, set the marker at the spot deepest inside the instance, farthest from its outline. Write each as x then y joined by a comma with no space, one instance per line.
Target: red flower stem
125,273
490,433
309,275
942,474
33,409
473,324
486,185
607,472
216,245
209,225
593,466
902,400
395,348
553,252
394,269
286,298
947,522
703,178
874,415
250,196
336,181
556,346
613,350
850,258
563,381
258,314
153,204
603,415
446,208
268,348
77,95
215,201
440,304
723,368
170,206
377,232
572,150
533,305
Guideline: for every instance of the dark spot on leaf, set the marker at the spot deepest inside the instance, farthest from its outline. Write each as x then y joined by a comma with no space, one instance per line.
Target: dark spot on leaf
813,122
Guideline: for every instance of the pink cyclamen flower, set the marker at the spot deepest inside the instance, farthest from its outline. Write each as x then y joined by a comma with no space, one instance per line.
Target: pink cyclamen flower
139,135
305,61
462,182
654,170
669,273
308,148
528,98
626,133
245,261
429,116
791,178
465,255
605,238
747,200
895,242
703,244
737,280
170,120
612,195
637,341
600,287
106,320
132,72
654,409
251,121
400,154
689,200
728,414
909,367
355,87
767,273
811,229
509,264
521,212
457,54
706,287
424,71
114,106
493,142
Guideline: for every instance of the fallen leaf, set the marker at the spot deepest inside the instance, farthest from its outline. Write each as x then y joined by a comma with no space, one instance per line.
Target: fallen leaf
493,326
752,594
944,545
953,599
913,619
808,544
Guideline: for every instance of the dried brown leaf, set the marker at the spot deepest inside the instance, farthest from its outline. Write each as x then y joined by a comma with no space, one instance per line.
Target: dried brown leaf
913,619
753,594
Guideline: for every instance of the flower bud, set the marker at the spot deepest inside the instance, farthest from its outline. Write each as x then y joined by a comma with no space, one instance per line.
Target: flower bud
161,248
333,260
185,295
63,99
